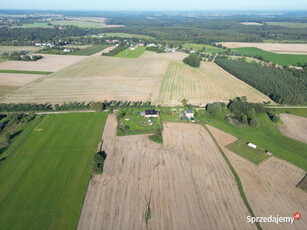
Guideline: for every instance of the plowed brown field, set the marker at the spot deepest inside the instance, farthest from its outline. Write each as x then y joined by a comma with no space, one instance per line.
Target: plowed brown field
191,184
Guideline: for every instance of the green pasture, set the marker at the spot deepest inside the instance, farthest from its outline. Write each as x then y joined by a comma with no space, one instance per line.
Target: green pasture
43,183
131,53
198,47
89,50
25,72
281,59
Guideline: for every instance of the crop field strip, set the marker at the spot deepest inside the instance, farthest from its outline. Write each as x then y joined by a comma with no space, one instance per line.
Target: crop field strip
25,72
47,176
98,78
208,84
270,187
281,59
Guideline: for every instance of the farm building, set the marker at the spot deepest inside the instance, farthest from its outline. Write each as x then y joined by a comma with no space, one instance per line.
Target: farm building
150,113
252,145
66,50
188,113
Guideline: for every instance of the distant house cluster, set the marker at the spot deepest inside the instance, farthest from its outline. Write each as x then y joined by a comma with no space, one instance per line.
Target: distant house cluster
49,44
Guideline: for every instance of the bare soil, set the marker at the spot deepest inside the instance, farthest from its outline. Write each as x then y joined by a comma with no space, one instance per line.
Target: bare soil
15,79
189,182
270,187
50,63
271,47
294,127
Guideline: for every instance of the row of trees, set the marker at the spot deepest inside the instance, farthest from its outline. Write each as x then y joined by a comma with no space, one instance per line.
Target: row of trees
15,56
280,85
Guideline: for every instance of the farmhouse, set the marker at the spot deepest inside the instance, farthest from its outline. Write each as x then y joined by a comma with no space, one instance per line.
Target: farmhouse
188,113
252,145
66,50
150,113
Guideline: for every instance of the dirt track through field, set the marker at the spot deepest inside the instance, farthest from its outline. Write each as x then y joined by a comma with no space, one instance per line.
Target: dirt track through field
270,188
271,47
191,184
294,127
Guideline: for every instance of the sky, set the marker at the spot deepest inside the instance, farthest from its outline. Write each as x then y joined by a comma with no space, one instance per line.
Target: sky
151,5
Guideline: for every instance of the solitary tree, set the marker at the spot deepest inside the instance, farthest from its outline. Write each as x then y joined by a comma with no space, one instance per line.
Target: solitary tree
184,102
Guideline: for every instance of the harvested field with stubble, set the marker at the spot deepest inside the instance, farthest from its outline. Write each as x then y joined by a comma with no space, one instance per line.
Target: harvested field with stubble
270,187
159,78
50,63
190,184
97,78
206,84
294,127
271,47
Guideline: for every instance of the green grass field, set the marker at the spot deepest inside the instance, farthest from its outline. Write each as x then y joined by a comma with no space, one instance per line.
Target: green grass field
266,136
241,148
25,72
60,23
281,59
131,53
125,35
89,50
34,25
198,47
288,24
297,111
137,124
43,183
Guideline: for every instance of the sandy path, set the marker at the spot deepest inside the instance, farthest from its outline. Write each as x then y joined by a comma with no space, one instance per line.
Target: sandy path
269,187
294,127
272,47
192,187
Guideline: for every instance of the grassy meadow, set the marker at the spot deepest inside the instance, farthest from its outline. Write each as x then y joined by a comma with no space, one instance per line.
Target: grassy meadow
25,72
266,136
297,25
43,183
254,155
198,47
281,59
131,53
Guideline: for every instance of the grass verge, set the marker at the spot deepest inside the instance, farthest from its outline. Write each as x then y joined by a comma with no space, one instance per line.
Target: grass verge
240,187
26,72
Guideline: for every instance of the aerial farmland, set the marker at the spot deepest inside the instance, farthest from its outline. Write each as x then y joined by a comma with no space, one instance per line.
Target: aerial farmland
153,119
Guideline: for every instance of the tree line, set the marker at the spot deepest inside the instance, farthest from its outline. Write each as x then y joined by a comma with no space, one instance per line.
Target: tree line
279,84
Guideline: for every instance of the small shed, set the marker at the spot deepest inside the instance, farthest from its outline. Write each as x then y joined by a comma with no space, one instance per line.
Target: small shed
252,145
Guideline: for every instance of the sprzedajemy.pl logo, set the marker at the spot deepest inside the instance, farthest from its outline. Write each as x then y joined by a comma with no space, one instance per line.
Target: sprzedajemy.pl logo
274,219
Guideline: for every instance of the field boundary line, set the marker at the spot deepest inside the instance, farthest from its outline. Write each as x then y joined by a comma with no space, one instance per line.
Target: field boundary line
239,184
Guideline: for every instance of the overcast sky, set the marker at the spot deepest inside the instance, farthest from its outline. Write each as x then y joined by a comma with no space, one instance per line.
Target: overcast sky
202,5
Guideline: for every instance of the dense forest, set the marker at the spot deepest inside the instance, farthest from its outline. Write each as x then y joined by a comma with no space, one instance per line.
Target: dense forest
200,28
280,85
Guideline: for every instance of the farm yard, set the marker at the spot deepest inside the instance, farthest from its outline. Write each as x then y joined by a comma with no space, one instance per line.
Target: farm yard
294,127
270,187
208,84
187,182
44,182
